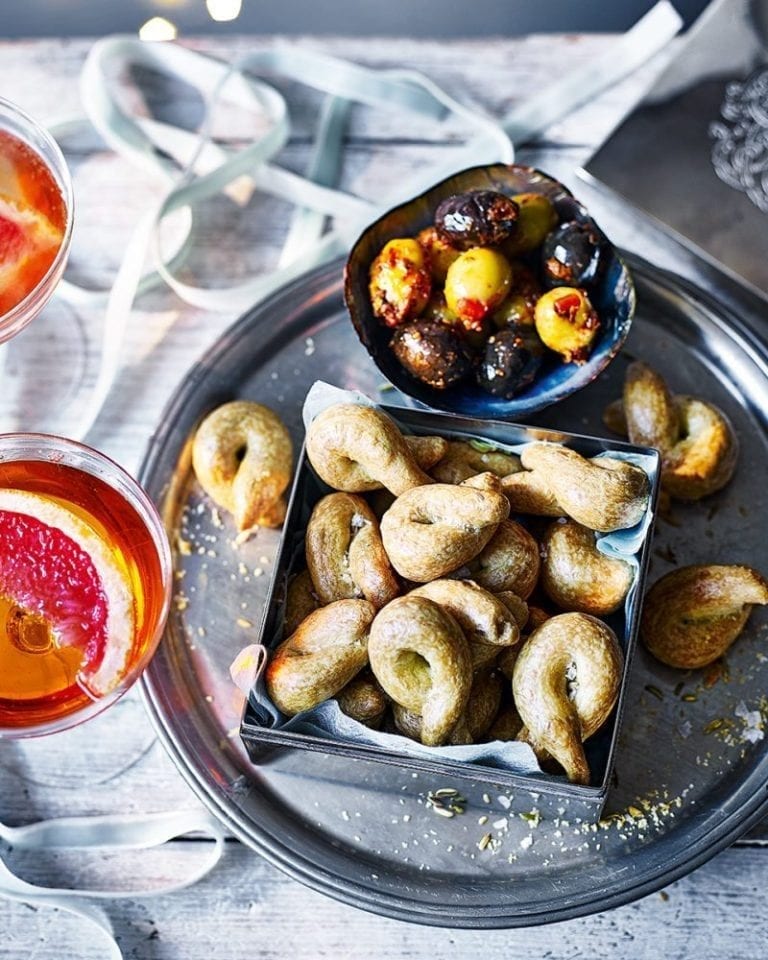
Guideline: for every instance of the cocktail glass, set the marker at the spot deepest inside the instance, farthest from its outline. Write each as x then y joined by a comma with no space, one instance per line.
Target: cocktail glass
85,583
36,213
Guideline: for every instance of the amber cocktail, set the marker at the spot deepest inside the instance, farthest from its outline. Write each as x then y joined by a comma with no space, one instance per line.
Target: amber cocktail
85,579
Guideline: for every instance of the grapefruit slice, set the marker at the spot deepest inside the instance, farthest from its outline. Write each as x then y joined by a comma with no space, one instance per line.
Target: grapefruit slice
56,567
28,246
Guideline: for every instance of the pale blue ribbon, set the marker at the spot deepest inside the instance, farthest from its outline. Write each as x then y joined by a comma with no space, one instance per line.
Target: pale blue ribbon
201,168
124,832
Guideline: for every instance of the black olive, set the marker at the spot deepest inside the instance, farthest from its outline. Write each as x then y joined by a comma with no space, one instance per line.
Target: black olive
478,218
433,352
571,255
511,361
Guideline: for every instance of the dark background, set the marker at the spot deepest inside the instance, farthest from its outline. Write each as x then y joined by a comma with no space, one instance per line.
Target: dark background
416,18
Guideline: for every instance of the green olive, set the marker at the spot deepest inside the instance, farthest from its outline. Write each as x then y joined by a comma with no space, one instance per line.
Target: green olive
437,309
476,283
439,253
567,323
400,283
515,311
536,218
475,334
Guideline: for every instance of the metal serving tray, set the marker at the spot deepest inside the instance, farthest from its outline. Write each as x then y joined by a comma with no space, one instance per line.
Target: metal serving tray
361,831
585,801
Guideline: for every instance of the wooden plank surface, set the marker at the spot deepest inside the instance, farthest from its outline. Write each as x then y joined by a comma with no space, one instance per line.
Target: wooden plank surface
247,908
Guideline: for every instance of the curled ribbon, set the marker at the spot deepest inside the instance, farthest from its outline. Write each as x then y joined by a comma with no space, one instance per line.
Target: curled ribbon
201,168
105,833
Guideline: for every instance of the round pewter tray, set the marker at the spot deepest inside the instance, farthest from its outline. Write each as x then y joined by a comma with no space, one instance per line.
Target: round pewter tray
691,764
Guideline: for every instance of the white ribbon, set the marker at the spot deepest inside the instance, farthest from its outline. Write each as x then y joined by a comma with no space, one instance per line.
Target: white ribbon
105,833
202,168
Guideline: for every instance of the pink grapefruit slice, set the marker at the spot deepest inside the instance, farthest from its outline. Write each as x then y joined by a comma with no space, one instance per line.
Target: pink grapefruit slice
28,246
55,566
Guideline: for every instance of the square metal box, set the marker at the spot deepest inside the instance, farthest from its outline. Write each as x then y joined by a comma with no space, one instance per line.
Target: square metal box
260,741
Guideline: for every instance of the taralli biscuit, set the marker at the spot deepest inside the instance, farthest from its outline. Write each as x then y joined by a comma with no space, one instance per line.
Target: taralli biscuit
693,614
430,531
242,457
327,650
463,460
300,601
345,555
576,576
363,700
509,561
483,617
698,446
565,684
604,493
420,657
355,448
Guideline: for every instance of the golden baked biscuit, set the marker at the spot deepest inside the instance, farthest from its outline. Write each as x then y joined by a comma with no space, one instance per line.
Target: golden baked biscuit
242,457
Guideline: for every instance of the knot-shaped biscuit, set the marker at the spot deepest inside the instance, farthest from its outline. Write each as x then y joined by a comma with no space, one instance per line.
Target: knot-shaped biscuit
577,576
432,530
300,601
697,443
603,493
507,724
565,685
363,700
692,615
474,722
485,620
509,561
481,709
325,652
242,457
420,657
463,459
482,617
356,448
345,555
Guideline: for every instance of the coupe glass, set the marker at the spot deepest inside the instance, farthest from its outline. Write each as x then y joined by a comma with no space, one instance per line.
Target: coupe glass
113,545
28,391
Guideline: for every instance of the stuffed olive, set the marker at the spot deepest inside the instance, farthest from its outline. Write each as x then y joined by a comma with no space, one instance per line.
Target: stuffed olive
567,323
400,283
477,282
536,218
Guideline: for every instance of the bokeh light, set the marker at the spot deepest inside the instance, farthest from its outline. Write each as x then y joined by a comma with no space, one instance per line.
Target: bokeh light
224,10
158,28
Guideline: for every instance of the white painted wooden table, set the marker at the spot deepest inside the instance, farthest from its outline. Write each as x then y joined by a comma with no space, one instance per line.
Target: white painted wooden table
246,908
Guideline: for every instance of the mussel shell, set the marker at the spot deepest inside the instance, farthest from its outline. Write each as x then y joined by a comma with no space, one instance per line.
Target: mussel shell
613,297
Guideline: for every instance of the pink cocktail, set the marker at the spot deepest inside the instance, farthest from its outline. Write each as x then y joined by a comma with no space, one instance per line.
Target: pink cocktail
35,218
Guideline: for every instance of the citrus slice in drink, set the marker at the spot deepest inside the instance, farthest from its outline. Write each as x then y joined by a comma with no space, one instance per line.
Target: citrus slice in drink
67,591
28,246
